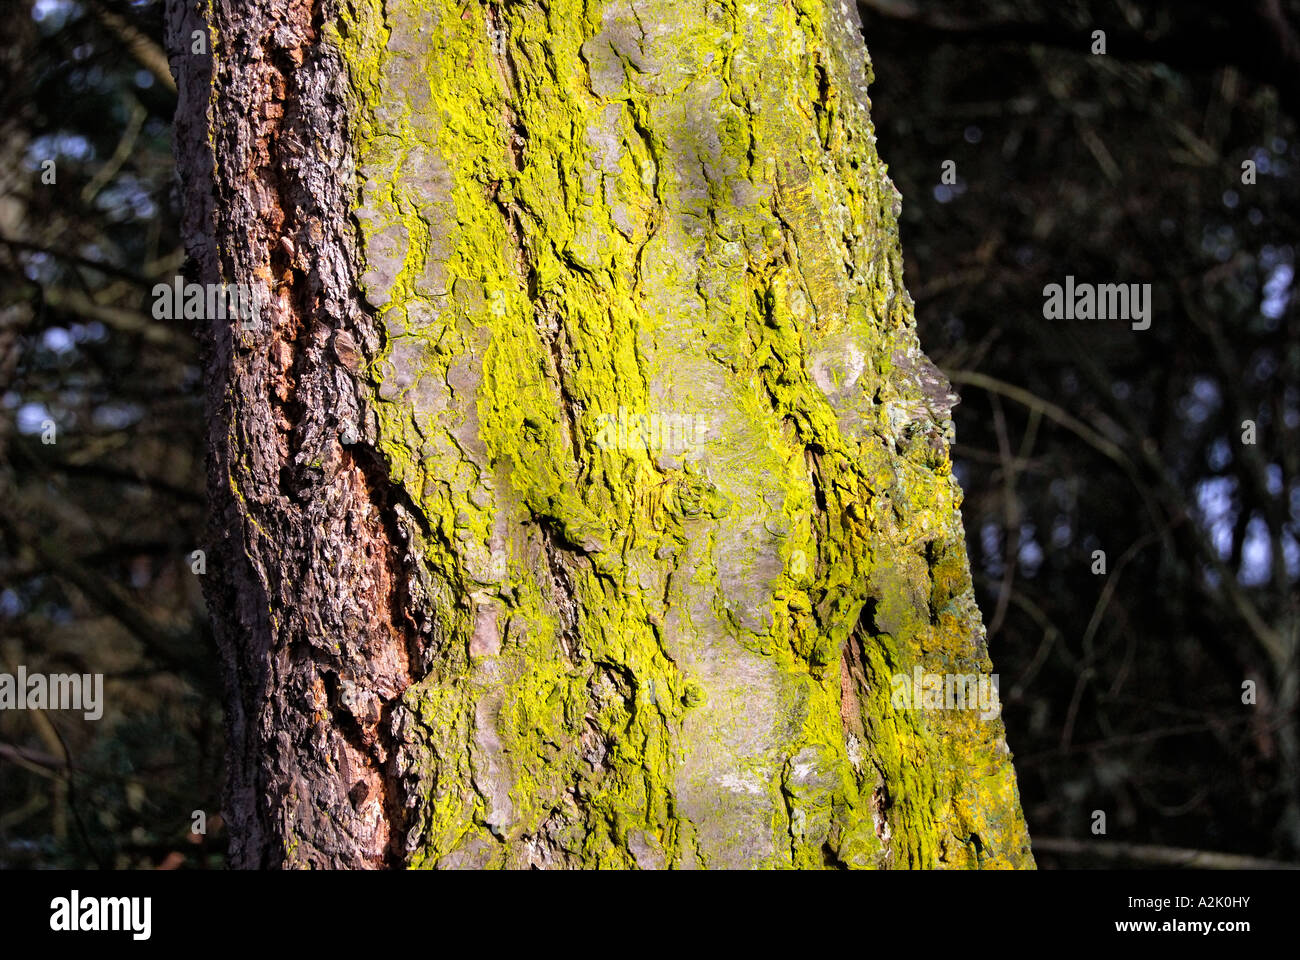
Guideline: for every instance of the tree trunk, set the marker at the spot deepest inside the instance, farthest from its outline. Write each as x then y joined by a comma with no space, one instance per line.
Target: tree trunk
582,493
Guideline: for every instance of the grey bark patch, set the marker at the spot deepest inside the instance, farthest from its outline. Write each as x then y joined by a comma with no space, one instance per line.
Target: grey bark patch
385,254
727,783
748,564
837,368
604,66
491,771
472,854
485,641
645,850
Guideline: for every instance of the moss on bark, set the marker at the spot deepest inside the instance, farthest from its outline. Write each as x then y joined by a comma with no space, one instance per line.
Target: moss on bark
672,216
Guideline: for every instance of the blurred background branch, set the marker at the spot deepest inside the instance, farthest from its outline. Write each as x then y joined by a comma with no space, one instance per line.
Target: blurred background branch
101,476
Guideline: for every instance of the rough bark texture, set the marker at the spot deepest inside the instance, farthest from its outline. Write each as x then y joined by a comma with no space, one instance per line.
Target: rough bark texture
584,485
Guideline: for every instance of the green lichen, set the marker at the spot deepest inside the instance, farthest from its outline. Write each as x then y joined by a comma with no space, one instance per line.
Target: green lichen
574,214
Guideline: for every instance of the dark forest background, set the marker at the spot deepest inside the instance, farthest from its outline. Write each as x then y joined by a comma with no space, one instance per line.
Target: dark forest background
1123,692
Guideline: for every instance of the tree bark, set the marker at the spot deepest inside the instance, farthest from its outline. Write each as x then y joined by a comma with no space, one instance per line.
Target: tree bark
583,490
